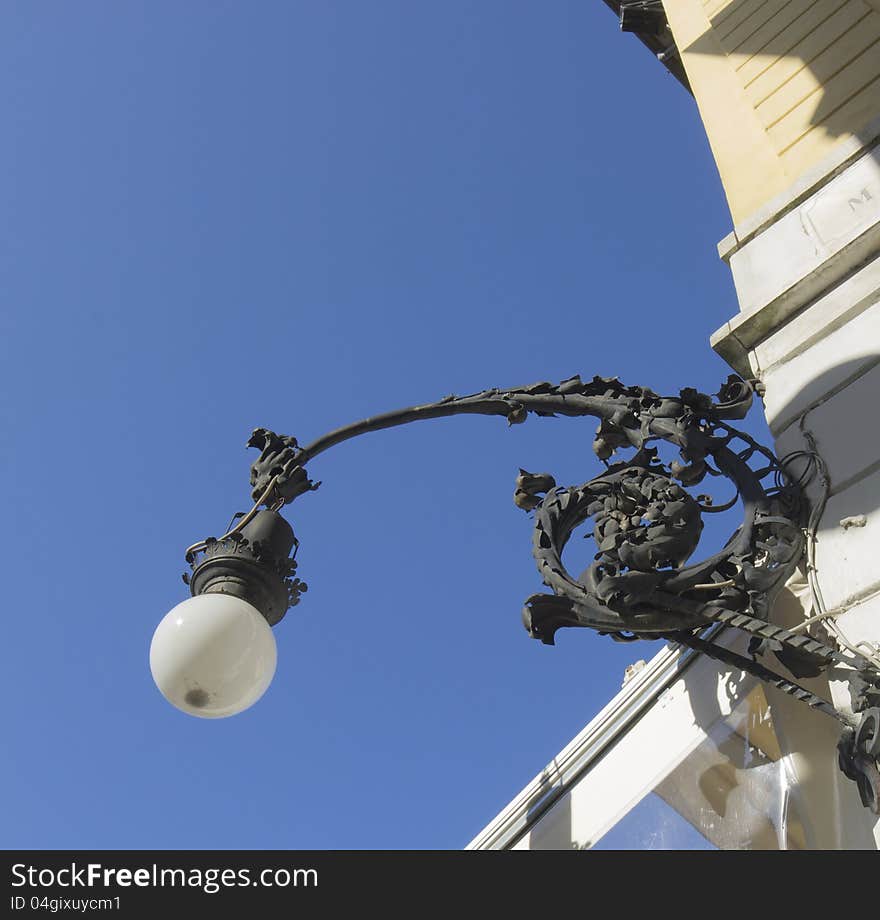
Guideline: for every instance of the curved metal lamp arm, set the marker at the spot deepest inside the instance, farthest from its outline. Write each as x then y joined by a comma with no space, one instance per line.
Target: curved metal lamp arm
646,523
624,410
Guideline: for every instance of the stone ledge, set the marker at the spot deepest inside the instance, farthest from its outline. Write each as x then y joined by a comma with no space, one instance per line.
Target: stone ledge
843,156
801,257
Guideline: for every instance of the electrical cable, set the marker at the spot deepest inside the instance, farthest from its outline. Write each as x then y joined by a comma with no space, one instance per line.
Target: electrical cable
244,521
816,467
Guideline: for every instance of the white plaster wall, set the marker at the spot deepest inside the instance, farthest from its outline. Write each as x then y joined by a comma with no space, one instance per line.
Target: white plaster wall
817,355
826,382
808,283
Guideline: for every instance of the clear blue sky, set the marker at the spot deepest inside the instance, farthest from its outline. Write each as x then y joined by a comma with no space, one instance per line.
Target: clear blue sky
217,216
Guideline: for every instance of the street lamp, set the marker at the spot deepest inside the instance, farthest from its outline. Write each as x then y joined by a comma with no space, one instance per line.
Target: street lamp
214,654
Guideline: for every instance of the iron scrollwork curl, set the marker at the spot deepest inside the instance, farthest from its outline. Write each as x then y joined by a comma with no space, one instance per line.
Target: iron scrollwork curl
646,525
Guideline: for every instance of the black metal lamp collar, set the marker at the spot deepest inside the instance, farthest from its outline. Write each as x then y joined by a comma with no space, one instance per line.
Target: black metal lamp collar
214,654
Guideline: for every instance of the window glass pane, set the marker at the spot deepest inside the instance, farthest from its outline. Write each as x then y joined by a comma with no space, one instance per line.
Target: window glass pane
731,792
653,825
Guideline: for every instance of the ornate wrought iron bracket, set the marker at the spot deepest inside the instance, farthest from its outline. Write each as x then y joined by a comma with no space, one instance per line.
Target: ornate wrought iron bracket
646,526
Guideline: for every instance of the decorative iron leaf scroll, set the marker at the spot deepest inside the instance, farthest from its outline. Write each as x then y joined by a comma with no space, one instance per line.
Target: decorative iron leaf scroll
646,524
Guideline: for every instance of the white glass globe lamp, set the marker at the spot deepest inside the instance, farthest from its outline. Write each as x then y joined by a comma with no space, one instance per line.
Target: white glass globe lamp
213,655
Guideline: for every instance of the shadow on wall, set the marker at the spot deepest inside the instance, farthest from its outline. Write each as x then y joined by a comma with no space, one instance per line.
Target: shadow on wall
804,64
787,402
556,831
835,411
